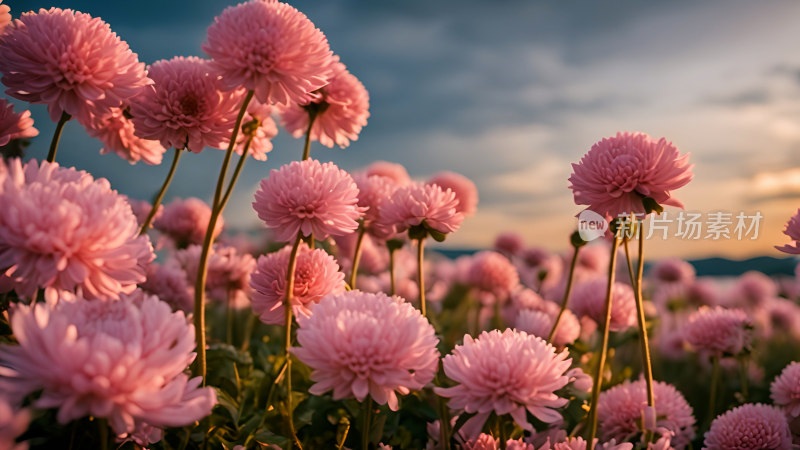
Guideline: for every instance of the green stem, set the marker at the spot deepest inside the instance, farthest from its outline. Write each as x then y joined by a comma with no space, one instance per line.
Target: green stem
102,428
366,413
391,271
444,416
566,295
312,116
598,377
501,428
712,400
644,345
743,362
202,269
51,154
287,307
236,172
161,192
421,274
229,318
357,255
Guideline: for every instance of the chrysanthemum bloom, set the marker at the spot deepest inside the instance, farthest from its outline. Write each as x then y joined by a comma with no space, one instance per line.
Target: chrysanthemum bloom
13,125
228,272
509,243
316,275
719,332
673,271
785,390
373,191
257,123
526,299
269,47
493,273
69,61
62,229
351,350
540,323
169,283
506,373
5,16
752,289
750,426
465,190
310,198
539,268
618,172
778,316
115,130
425,205
588,298
186,221
340,110
122,361
792,229
184,108
621,408
13,421
578,443
395,172
374,254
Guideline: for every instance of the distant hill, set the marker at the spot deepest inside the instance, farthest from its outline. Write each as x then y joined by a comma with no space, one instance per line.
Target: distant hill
704,267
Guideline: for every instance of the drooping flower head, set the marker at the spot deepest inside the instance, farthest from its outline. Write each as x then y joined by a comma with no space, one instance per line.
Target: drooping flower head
121,360
270,47
792,229
422,205
785,390
340,110
618,172
749,427
185,107
62,229
186,221
621,409
352,351
316,275
116,131
13,125
228,272
719,331
492,273
310,198
508,372
465,190
589,299
69,61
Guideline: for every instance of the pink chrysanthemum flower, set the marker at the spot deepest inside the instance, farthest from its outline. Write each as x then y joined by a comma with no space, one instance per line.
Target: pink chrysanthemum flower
589,299
506,373
750,426
792,229
115,130
316,275
539,268
465,190
373,191
69,61
621,410
578,443
719,332
186,221
123,361
340,109
309,198
168,282
13,421
13,125
509,243
374,254
673,271
184,108
540,322
618,172
492,273
5,16
785,390
752,289
426,205
228,272
393,171
272,48
258,123
353,352
62,229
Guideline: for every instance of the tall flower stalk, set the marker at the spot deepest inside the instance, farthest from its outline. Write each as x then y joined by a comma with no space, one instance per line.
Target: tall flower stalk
577,242
287,345
202,270
51,154
162,191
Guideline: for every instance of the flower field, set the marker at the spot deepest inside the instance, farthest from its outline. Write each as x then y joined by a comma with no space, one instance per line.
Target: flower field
130,323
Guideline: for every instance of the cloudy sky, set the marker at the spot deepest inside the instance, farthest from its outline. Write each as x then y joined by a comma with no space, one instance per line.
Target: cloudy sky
509,93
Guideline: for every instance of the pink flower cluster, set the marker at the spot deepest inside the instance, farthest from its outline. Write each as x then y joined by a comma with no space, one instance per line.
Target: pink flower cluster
14,125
